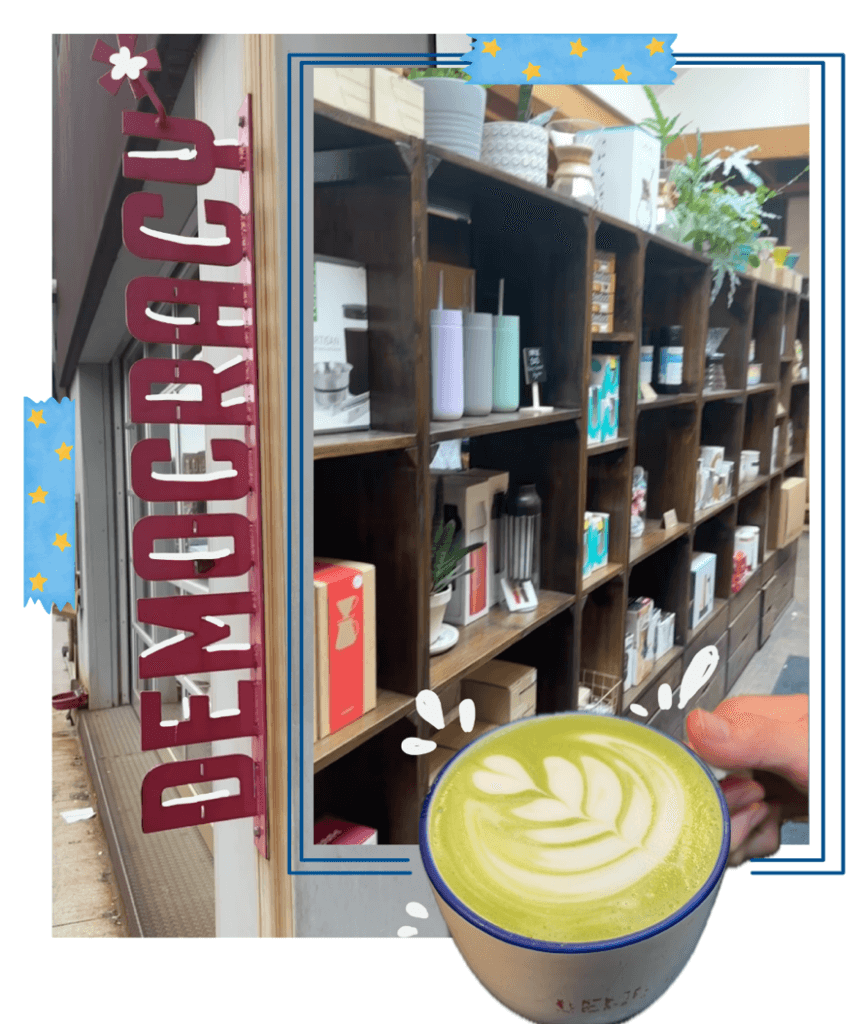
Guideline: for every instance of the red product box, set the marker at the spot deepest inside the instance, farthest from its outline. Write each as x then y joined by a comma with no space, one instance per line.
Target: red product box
345,642
334,832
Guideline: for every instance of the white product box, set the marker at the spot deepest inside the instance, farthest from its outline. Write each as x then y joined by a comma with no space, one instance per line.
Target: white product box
653,635
749,464
498,487
341,388
711,456
631,662
747,540
625,168
702,581
665,633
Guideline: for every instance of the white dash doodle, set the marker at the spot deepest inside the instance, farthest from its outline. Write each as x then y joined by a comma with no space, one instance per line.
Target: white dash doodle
414,910
467,714
701,668
430,708
663,697
416,747
637,709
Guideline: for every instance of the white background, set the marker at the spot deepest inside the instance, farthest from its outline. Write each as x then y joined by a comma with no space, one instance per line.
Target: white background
780,948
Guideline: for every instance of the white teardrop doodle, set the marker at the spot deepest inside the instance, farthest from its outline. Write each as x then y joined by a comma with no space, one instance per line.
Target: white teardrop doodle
415,747
416,910
467,714
637,709
406,931
663,697
430,708
701,668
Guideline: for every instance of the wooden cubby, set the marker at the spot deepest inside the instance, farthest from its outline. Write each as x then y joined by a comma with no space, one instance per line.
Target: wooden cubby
395,203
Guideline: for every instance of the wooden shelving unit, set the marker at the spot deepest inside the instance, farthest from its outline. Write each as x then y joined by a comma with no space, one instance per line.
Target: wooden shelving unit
372,490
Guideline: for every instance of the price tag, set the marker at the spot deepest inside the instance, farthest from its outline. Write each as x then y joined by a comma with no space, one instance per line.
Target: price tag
669,519
534,366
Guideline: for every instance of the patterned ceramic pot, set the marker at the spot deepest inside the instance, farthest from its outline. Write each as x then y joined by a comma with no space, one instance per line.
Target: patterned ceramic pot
517,148
454,111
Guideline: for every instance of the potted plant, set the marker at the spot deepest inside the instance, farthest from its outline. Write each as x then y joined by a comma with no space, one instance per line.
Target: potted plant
446,557
454,109
519,147
666,131
714,217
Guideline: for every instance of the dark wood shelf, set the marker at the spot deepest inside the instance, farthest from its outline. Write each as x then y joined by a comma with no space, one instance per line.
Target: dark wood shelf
600,577
665,401
389,708
475,426
794,459
338,129
751,485
491,635
359,442
652,540
607,446
758,389
659,666
722,395
622,336
800,381
712,510
719,603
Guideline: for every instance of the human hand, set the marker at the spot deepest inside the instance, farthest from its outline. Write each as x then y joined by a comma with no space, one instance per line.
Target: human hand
764,741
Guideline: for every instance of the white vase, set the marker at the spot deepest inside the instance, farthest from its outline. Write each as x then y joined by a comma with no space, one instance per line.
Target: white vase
438,604
454,111
517,148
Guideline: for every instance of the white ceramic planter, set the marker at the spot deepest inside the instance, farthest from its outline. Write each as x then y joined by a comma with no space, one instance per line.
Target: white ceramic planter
517,148
438,603
454,111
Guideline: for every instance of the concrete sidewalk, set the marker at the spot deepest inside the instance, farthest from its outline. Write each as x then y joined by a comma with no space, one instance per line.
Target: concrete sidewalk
85,901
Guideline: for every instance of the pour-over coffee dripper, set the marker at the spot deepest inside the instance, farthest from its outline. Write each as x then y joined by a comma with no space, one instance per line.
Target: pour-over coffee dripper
715,376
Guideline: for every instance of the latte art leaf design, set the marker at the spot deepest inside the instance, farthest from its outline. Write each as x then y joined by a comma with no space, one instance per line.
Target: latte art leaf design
506,776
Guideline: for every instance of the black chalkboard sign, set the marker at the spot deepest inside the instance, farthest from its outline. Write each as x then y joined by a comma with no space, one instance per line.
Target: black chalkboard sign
534,366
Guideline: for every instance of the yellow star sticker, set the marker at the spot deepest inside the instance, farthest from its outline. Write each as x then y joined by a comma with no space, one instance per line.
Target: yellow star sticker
36,417
61,542
37,495
491,48
63,451
577,48
38,581
655,46
531,71
621,74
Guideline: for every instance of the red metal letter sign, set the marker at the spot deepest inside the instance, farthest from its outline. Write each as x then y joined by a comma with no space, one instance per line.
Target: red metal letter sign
221,485
150,244
151,565
197,171
148,408
201,726
157,816
209,296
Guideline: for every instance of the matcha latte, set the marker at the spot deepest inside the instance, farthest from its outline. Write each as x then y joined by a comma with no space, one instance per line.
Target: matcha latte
573,828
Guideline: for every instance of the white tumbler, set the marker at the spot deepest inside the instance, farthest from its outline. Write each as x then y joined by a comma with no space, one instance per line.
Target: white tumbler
478,364
446,364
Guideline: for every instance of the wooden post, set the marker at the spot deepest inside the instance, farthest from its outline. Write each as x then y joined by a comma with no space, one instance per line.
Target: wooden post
260,81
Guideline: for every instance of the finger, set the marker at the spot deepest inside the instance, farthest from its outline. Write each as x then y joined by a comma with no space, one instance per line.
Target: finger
751,741
783,707
743,823
740,792
764,840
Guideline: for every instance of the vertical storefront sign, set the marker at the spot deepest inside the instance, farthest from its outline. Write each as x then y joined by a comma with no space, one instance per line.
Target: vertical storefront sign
199,642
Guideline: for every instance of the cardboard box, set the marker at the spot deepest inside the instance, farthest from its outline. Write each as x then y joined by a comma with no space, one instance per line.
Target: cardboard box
396,102
793,507
340,336
328,831
638,623
345,88
702,583
602,303
604,263
344,618
498,487
605,285
625,167
502,691
470,594
602,323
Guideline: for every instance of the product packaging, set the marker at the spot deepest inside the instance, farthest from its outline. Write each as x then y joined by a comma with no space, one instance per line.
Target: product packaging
497,481
625,169
702,582
596,532
631,656
638,515
749,465
328,831
594,426
604,263
712,456
501,690
605,375
665,633
344,622
470,497
793,506
747,540
341,383
638,615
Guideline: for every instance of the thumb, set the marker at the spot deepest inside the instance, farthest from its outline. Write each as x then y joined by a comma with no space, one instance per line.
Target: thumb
751,741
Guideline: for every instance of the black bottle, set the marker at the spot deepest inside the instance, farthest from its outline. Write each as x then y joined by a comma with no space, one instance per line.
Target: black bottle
668,360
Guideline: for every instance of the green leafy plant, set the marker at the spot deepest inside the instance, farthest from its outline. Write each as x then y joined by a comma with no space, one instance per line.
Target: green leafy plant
439,72
719,221
446,556
661,126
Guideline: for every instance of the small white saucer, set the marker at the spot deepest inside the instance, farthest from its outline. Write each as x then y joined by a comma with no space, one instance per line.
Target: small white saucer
446,639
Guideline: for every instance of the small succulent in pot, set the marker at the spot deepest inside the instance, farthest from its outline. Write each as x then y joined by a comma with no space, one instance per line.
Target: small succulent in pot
446,556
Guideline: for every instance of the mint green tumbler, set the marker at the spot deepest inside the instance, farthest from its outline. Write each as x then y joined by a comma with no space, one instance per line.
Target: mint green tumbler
507,381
